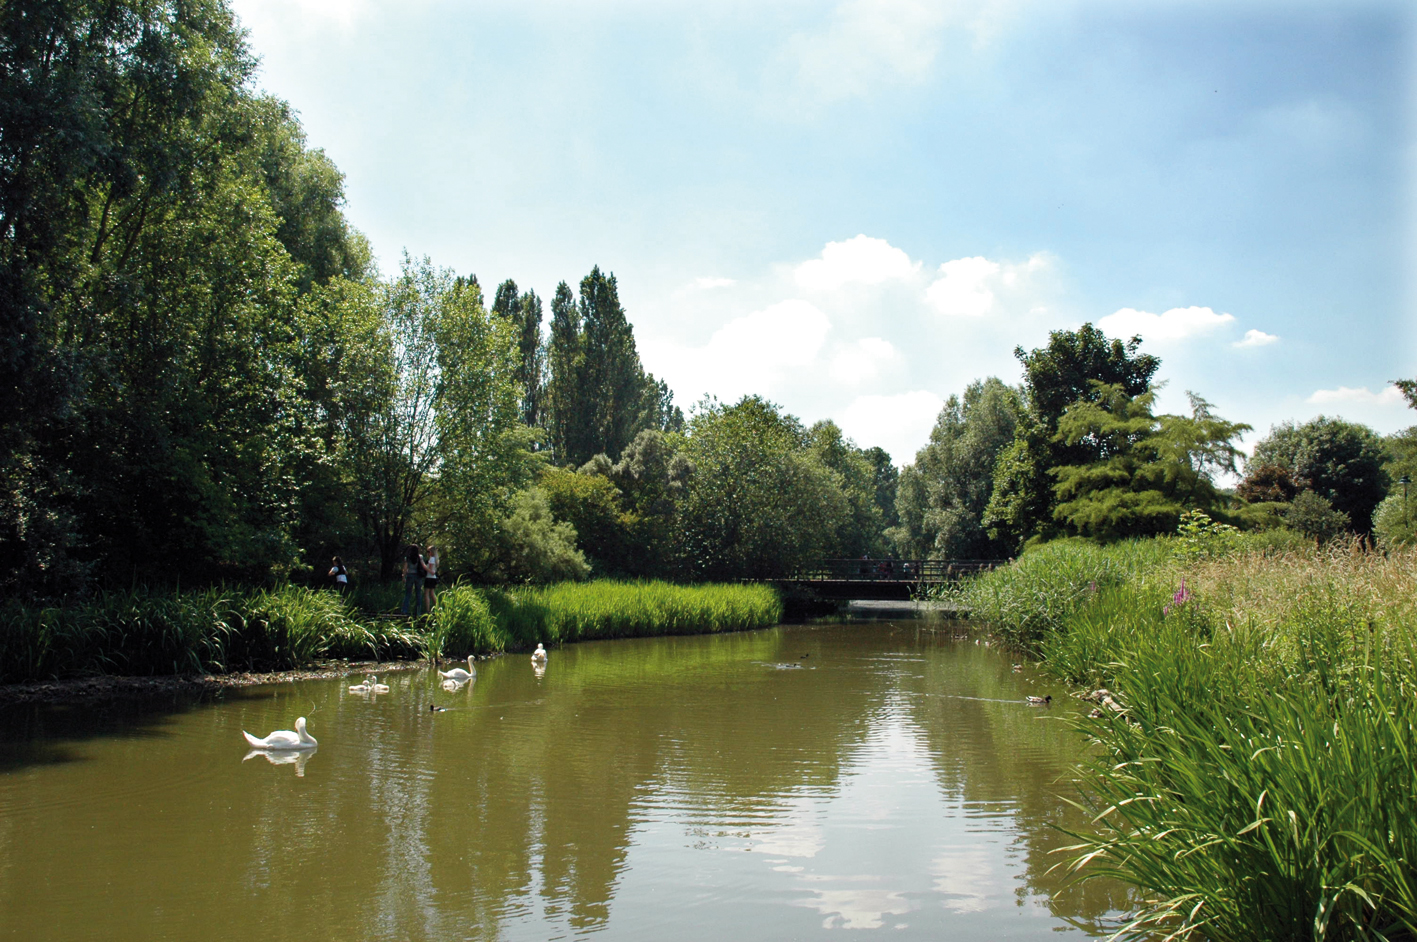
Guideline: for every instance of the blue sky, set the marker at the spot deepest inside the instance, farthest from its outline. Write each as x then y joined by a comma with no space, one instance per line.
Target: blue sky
857,208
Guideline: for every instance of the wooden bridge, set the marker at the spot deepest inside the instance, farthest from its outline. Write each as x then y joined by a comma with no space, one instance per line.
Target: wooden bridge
883,579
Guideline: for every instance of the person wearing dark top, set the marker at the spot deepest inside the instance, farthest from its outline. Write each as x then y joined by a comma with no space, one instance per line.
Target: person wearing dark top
413,573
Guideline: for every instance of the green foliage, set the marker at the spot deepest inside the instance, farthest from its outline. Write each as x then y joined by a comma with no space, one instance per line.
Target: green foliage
1315,517
1339,461
941,498
862,531
1258,781
146,633
1072,368
1395,522
1146,468
759,502
598,395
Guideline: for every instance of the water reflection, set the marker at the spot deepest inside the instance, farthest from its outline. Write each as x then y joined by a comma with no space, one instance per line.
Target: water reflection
696,786
283,757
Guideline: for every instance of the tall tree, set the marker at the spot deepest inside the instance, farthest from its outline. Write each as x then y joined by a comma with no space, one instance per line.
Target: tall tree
1337,460
1066,371
524,313
942,496
613,383
564,401
1146,469
759,503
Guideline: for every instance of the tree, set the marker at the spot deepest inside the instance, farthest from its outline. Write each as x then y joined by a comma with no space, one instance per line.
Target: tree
1315,516
759,503
1148,469
863,530
1337,460
1064,372
943,495
565,404
524,313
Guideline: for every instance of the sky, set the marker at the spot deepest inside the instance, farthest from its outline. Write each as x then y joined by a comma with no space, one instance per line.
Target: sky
856,209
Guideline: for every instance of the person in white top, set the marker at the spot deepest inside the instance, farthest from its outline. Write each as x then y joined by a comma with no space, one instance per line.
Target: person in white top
430,581
340,575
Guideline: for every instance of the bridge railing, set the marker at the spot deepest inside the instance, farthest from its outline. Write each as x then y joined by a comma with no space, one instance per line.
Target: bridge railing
891,570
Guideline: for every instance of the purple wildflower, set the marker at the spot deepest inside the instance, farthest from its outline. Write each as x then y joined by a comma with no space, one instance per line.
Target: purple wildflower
1182,596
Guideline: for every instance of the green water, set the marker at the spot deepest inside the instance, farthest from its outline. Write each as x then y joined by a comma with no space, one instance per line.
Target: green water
890,781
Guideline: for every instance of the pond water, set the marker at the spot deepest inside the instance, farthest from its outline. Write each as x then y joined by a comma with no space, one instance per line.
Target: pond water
792,783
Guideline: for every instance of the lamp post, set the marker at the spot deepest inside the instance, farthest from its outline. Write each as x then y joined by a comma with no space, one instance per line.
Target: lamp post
1404,481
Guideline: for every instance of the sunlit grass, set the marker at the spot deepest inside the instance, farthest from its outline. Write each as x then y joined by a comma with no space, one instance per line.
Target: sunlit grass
1260,783
474,621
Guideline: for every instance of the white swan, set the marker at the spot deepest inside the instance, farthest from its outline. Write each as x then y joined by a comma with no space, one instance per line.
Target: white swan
539,654
453,686
458,674
284,738
362,688
377,687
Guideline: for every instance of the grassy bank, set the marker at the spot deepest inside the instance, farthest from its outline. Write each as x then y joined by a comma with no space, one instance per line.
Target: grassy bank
473,621
226,630
1260,781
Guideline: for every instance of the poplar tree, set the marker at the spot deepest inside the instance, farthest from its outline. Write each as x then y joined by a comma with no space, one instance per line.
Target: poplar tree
563,388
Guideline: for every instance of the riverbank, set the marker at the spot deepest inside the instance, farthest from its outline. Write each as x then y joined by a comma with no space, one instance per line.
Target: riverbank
228,632
1257,770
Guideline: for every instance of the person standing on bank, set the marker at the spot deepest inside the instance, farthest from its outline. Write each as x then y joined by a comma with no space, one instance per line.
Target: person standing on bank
340,576
413,573
430,579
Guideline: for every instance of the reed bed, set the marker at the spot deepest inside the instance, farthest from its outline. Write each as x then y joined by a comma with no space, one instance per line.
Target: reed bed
471,621
1259,780
215,630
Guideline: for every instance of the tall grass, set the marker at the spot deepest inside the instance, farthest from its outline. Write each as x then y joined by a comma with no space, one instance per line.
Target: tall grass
222,630
219,630
1259,782
470,621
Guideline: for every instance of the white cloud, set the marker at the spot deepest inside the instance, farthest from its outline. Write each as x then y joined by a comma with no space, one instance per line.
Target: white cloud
900,424
749,354
863,361
977,286
1256,338
1386,397
1179,323
707,283
860,260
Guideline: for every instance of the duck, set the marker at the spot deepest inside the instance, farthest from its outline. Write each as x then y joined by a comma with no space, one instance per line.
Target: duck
1041,701
377,687
284,738
540,653
434,708
458,674
361,688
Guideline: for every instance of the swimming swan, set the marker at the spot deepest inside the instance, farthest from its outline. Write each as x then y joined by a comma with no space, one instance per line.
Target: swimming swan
284,738
539,654
377,687
362,688
458,674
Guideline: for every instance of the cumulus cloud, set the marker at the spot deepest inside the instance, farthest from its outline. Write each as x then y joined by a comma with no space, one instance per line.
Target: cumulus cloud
1256,338
977,286
1362,395
900,424
1179,323
749,354
860,260
863,361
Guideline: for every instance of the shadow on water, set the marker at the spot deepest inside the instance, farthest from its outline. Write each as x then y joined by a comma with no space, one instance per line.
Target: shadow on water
49,734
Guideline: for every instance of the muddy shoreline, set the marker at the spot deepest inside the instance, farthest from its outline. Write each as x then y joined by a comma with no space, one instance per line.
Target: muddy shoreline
103,688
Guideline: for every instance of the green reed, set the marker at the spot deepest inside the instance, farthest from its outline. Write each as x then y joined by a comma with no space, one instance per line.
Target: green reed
473,621
1260,782
220,629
